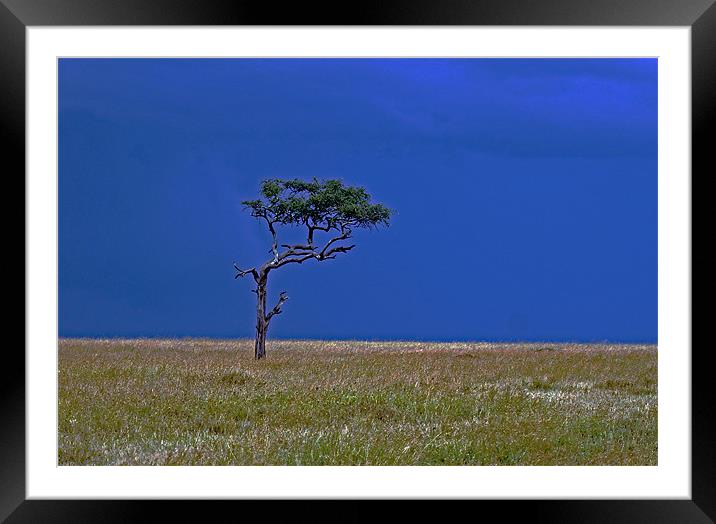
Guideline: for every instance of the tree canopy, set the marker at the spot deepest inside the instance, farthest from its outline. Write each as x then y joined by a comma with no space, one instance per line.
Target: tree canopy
323,206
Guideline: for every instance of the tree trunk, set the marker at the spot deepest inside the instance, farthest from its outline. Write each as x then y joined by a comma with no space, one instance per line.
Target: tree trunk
261,322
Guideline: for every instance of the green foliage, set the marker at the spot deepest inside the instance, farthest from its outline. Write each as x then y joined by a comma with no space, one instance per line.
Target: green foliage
329,204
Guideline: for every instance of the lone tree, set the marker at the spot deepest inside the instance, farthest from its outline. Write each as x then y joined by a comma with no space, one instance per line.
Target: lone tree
329,207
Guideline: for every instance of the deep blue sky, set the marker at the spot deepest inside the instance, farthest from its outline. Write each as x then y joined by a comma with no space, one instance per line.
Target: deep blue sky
525,191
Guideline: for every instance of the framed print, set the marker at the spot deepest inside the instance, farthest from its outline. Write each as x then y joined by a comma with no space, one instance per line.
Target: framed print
422,253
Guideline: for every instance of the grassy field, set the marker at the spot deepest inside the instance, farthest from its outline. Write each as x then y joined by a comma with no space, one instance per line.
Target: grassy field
131,402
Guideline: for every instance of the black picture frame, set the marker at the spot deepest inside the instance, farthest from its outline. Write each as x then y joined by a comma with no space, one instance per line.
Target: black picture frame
16,15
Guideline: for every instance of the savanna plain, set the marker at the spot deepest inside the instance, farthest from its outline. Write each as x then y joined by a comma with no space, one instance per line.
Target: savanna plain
208,402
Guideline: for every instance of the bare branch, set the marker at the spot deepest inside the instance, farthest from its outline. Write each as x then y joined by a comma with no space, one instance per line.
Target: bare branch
312,228
299,253
277,308
270,219
293,250
298,247
241,272
339,249
345,234
299,259
274,243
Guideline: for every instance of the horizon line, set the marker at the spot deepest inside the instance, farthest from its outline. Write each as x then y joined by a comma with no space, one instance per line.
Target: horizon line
390,340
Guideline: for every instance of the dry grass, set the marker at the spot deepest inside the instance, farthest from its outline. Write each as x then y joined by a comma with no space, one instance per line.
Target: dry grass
160,402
